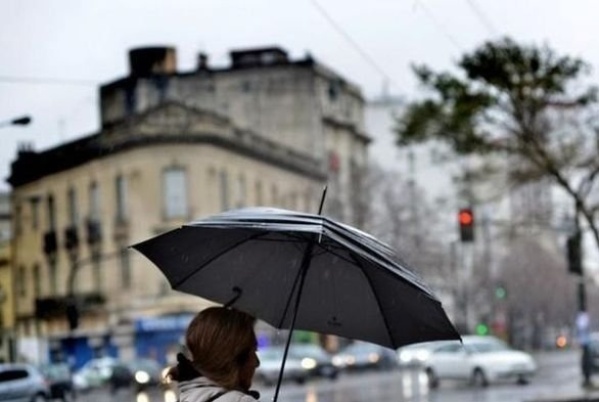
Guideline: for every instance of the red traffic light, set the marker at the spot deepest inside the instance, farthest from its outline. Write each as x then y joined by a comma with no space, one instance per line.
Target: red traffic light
466,225
465,217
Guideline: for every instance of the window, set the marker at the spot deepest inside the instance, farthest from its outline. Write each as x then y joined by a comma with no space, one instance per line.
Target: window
22,282
121,198
125,268
175,193
224,190
34,202
12,375
73,213
17,219
259,196
274,195
241,192
94,202
51,213
53,278
37,280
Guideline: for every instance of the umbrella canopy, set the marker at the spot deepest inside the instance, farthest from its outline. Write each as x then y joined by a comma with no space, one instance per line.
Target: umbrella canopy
302,271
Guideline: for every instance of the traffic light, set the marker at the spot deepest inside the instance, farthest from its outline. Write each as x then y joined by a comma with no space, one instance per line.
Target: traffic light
574,253
482,329
500,292
466,222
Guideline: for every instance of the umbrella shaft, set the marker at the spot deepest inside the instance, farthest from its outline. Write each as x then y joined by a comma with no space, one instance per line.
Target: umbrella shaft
305,264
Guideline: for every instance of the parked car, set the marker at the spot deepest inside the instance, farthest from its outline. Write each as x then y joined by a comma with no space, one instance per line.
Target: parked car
22,383
594,348
58,377
416,355
363,355
480,360
315,360
270,366
95,373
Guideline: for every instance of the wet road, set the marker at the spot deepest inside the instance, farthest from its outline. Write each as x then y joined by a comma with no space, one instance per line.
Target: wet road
558,378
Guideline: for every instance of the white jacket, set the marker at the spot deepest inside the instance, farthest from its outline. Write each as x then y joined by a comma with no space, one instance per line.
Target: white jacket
201,389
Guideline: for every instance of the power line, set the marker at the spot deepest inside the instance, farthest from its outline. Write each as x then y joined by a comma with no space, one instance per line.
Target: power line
46,81
440,27
484,19
369,59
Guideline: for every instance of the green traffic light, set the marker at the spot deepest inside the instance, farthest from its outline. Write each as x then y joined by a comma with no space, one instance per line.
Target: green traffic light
482,329
500,293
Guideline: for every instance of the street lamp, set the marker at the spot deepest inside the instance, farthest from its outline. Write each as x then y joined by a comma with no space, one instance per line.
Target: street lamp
18,121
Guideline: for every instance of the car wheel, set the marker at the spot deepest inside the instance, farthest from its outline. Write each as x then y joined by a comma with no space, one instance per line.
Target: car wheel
39,398
479,379
523,380
433,380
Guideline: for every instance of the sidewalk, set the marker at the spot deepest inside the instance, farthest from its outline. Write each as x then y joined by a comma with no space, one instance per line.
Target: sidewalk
576,394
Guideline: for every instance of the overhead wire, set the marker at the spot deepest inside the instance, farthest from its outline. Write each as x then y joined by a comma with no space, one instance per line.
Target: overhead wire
483,18
440,26
353,43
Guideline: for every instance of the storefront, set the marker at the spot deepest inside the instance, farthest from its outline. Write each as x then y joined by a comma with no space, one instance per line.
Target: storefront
160,338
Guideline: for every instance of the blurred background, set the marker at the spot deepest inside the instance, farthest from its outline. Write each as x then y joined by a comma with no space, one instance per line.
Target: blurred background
122,120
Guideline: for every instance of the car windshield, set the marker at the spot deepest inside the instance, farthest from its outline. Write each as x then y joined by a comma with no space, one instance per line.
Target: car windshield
487,347
313,351
270,354
56,370
144,364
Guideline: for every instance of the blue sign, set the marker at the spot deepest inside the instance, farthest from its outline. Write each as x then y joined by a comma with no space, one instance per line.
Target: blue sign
166,323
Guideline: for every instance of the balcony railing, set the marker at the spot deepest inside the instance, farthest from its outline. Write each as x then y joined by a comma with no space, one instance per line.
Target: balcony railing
49,308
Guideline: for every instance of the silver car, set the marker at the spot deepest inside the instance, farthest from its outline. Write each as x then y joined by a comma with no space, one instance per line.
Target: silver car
270,365
481,360
22,383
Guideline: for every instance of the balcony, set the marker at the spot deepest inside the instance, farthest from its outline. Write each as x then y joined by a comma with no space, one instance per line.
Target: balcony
94,232
50,242
71,238
49,308
121,229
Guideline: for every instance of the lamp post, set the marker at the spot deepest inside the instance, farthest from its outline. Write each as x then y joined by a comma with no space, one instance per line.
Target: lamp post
17,121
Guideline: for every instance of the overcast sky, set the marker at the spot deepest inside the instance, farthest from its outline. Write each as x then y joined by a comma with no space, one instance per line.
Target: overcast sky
87,42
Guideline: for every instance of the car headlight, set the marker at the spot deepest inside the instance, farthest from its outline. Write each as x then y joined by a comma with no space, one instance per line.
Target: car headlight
422,355
142,377
338,361
374,357
308,363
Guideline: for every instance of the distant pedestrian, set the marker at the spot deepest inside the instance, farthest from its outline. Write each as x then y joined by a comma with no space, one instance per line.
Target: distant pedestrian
222,347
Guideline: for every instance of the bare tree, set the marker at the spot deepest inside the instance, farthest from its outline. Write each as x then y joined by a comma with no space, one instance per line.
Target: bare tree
539,297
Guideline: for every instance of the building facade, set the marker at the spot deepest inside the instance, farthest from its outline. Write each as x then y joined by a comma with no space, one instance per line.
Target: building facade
172,147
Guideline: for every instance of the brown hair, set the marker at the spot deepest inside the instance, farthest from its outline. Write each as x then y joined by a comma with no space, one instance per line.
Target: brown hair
220,340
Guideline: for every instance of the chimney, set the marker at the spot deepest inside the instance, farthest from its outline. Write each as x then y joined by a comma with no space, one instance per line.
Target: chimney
202,62
148,61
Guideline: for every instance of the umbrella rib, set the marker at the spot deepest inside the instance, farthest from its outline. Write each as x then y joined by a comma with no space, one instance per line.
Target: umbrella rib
217,256
378,302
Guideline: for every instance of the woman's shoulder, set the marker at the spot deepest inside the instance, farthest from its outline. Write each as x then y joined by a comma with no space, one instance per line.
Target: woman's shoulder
235,396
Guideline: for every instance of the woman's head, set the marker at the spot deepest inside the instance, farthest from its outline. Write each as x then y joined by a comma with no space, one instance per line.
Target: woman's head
222,344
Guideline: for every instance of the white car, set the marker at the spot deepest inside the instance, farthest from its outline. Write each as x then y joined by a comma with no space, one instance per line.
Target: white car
480,360
267,372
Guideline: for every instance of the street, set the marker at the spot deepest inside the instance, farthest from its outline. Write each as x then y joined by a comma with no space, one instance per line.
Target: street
558,378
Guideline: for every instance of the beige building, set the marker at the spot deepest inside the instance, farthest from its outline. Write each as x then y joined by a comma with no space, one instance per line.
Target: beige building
7,319
173,147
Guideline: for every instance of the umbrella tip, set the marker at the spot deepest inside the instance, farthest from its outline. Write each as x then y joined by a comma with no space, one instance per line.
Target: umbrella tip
324,194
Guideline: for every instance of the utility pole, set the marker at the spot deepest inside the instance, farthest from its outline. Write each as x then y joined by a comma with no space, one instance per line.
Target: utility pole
575,265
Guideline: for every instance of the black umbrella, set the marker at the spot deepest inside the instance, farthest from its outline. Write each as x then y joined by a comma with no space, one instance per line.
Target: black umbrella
301,271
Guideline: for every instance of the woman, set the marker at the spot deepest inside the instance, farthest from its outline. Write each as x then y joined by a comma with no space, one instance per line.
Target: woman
222,345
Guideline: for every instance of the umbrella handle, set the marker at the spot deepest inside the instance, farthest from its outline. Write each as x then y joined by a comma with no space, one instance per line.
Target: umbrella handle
238,292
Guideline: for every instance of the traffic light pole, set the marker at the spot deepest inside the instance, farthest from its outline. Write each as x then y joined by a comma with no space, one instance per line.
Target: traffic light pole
582,319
